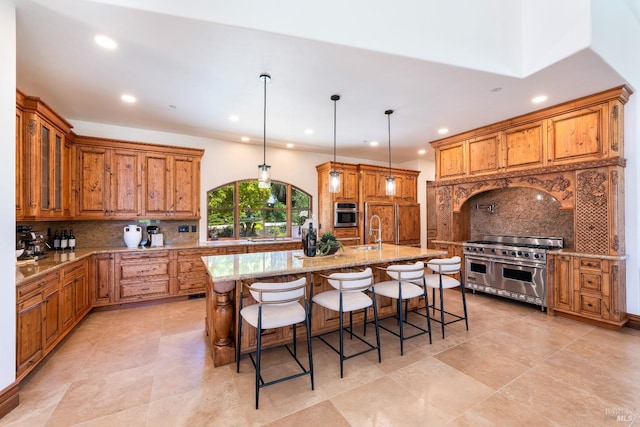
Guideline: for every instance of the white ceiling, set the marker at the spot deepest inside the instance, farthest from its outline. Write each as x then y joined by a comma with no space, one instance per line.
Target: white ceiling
209,70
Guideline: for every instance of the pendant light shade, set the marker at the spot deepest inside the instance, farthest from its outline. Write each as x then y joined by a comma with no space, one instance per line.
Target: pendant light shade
334,176
264,170
390,187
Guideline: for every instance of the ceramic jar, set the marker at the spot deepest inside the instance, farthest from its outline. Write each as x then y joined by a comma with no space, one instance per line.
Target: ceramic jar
132,235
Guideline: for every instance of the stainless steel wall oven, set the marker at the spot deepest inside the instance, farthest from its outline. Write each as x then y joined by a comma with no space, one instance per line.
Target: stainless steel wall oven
345,215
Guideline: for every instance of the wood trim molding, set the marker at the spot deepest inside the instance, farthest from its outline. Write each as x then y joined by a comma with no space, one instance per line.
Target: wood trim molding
634,321
9,399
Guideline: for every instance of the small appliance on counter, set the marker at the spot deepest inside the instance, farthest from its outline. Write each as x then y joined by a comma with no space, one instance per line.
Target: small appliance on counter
31,243
154,237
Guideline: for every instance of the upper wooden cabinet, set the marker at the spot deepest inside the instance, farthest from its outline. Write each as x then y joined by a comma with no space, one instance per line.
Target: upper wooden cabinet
583,130
348,181
373,183
578,135
118,179
171,186
45,180
19,164
108,182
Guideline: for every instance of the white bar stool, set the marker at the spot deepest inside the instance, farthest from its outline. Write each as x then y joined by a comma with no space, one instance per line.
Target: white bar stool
349,295
402,288
443,268
277,305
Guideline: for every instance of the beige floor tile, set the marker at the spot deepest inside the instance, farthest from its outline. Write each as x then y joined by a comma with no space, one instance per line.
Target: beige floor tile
367,405
131,417
320,415
92,398
498,410
440,387
562,403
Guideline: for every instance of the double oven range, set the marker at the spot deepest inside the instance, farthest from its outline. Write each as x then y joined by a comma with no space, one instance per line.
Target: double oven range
510,266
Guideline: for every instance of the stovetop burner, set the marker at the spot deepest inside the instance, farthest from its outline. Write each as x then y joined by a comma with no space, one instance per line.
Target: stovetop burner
513,247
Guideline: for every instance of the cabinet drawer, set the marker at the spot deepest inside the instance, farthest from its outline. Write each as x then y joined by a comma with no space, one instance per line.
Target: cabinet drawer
590,304
590,282
28,289
192,284
73,268
142,257
134,290
591,263
140,271
191,265
31,301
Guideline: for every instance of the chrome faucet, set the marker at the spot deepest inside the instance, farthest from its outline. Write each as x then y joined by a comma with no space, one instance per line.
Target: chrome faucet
378,230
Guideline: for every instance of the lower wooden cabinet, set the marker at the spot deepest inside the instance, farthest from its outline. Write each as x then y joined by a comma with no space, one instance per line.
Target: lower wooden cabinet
143,275
591,288
38,320
101,275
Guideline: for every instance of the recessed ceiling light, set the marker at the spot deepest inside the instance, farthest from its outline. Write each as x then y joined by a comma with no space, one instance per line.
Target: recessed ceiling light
234,118
496,89
245,139
539,99
172,106
308,131
290,145
373,143
130,99
105,42
442,131
423,151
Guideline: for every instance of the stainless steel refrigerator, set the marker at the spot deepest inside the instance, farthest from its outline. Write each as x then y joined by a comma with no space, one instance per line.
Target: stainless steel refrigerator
400,222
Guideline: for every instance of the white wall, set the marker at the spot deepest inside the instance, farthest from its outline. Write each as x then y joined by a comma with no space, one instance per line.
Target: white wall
7,195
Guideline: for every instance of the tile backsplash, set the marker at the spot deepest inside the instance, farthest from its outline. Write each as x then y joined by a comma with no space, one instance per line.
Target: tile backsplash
519,211
92,234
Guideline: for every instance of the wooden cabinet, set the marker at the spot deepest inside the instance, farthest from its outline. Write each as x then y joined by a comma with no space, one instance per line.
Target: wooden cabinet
562,282
578,135
191,271
450,161
407,188
19,163
484,154
75,292
586,287
525,146
44,151
38,320
373,183
108,182
102,277
119,180
171,186
143,276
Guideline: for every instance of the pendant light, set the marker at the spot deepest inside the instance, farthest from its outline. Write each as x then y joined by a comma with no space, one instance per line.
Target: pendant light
264,170
390,187
334,177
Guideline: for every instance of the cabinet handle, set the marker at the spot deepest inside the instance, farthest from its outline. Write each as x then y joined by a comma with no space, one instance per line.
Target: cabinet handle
590,305
144,289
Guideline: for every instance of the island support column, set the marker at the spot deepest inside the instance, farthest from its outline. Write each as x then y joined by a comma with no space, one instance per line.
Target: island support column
220,322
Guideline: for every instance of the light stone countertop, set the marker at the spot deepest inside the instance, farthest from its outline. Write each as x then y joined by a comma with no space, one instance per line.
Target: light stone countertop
224,268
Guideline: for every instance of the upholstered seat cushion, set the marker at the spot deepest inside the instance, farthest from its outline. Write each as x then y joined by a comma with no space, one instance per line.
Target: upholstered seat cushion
274,315
391,289
433,281
350,300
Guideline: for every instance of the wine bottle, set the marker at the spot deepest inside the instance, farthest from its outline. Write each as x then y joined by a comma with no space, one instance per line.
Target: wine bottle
311,241
64,240
56,241
72,240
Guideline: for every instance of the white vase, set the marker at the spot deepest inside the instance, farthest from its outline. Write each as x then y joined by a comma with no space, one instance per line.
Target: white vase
132,235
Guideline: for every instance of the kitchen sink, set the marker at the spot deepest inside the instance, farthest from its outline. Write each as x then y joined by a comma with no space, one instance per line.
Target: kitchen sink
366,247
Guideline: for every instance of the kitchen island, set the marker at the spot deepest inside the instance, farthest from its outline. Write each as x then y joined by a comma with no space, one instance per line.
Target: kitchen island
228,273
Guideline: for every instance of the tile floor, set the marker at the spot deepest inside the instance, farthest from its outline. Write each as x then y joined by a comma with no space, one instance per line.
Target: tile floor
150,366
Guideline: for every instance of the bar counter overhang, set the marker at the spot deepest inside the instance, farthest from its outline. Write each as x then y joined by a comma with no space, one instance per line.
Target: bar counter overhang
227,273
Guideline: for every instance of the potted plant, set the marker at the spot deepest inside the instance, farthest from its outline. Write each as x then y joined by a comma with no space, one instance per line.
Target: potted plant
328,244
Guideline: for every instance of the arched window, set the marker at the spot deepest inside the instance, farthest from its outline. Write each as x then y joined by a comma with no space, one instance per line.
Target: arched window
240,210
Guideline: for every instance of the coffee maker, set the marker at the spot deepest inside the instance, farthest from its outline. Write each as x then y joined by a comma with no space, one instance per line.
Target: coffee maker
154,237
31,242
